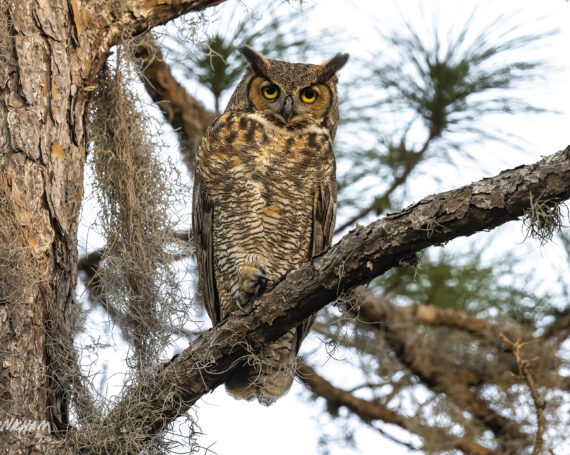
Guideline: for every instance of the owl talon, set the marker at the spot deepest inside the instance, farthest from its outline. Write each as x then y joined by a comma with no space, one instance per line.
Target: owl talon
264,276
239,305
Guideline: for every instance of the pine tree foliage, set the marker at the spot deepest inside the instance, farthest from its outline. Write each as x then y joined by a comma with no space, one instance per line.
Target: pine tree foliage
215,62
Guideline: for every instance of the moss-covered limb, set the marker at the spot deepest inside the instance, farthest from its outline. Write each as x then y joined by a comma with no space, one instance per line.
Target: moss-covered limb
360,255
186,114
369,411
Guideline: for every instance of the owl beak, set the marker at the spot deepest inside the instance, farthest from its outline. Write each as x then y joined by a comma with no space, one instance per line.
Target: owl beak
288,109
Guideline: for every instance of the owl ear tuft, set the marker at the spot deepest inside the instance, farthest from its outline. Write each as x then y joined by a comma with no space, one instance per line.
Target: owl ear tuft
259,64
332,65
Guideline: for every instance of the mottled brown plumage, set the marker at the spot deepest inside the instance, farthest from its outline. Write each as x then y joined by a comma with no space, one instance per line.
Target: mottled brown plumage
265,199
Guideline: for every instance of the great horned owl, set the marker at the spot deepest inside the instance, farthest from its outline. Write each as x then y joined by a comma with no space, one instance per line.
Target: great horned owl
265,199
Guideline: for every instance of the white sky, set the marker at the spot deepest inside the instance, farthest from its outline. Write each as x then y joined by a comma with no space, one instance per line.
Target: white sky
294,424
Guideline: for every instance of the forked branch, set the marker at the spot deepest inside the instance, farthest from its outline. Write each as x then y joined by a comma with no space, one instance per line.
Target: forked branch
525,371
373,410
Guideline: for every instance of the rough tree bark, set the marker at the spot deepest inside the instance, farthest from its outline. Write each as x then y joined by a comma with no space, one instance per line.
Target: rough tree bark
50,51
42,150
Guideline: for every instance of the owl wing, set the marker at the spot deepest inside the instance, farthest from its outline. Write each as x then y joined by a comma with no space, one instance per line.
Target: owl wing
324,216
202,223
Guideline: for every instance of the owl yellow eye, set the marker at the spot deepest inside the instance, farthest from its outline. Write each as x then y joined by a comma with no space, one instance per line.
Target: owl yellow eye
270,91
309,95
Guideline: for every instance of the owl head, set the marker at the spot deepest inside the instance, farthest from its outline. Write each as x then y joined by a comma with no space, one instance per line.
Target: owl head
291,95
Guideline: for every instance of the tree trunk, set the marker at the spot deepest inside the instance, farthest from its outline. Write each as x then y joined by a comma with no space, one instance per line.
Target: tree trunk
42,154
50,51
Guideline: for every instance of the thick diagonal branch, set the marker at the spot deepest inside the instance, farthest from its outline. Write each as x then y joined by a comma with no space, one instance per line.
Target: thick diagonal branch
361,255
97,26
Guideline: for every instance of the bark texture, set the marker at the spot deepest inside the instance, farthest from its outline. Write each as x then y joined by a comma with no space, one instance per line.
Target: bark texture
99,24
42,150
50,51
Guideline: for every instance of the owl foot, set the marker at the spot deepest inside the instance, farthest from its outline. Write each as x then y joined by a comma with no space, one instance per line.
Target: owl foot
253,278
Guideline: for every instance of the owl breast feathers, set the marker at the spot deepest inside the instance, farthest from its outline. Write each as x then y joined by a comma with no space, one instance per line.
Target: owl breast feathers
265,200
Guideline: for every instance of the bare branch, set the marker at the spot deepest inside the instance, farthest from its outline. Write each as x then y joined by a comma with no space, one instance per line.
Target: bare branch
186,114
449,317
373,410
435,371
100,25
526,372
146,14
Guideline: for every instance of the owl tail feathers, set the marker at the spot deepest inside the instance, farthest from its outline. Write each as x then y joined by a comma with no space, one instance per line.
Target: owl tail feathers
270,376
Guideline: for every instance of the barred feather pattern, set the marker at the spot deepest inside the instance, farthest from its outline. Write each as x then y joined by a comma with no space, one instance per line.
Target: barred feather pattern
265,195
261,182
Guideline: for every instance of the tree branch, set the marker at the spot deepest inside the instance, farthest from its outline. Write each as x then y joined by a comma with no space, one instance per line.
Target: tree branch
435,371
186,114
436,316
100,25
361,255
373,410
527,373
146,14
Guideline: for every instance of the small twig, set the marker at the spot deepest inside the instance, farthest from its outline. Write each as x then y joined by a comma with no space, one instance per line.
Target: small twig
105,256
526,373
